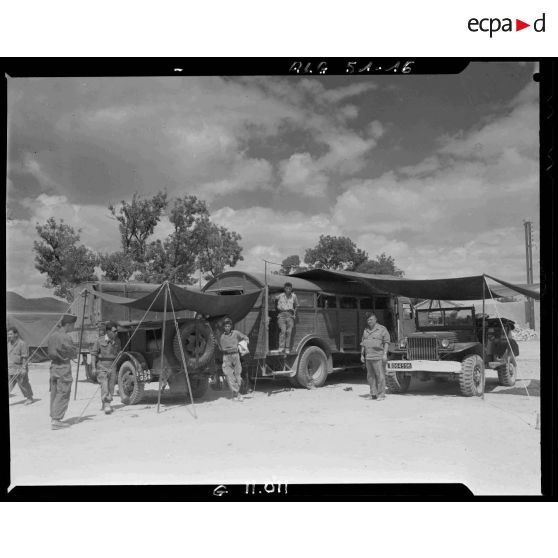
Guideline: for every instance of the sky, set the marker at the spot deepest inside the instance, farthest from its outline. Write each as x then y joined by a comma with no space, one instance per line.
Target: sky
437,171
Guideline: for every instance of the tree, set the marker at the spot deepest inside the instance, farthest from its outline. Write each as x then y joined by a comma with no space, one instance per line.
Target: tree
117,266
218,247
58,255
289,264
137,221
335,252
382,265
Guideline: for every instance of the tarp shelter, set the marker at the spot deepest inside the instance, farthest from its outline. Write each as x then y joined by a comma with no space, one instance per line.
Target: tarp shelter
33,328
209,305
459,288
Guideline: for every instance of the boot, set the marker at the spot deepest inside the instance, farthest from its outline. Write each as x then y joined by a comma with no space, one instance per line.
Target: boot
58,424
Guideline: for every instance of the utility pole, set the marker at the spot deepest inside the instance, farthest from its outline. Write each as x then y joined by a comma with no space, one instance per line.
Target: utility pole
530,304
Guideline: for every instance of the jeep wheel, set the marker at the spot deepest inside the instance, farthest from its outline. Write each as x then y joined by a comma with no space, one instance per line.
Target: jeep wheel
397,382
507,373
130,389
471,379
313,362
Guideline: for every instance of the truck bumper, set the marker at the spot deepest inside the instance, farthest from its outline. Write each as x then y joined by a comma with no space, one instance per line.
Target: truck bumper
447,366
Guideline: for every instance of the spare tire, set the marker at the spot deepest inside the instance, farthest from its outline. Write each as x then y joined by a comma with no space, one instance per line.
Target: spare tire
198,341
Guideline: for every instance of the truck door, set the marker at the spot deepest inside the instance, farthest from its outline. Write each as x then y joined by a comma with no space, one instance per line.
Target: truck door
349,335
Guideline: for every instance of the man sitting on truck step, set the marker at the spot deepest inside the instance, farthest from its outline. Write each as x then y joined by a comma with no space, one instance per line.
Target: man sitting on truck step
286,304
105,349
232,367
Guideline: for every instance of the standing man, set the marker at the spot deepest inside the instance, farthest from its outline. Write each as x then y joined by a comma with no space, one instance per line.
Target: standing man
232,367
18,372
286,304
60,350
105,350
375,344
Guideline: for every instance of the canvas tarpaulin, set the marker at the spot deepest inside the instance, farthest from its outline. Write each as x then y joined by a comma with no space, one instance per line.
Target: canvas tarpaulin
211,305
459,288
32,327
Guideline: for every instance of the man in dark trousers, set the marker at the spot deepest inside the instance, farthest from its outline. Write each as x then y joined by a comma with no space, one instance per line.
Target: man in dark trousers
232,367
105,349
61,350
375,344
17,365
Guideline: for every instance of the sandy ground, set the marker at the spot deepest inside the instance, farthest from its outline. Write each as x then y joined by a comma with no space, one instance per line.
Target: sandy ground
332,434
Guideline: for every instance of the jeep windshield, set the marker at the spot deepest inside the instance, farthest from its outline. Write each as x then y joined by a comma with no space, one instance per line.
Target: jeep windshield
446,318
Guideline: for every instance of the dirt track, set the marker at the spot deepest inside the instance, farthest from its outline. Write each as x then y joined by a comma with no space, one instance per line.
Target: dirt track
277,434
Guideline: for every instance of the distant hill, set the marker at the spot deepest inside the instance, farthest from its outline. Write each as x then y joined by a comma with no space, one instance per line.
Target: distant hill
17,303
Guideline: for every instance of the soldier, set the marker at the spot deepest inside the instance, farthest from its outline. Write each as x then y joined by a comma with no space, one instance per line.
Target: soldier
60,350
232,367
375,344
17,365
286,304
105,350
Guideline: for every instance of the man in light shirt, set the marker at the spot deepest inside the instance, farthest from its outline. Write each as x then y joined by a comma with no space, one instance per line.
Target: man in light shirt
286,304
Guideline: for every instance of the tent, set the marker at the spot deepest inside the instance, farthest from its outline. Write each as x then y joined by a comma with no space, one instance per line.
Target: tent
460,288
179,298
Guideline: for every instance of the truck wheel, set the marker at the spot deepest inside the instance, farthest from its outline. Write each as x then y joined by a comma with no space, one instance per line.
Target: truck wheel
90,373
398,382
471,379
199,386
199,353
313,362
293,380
507,373
130,389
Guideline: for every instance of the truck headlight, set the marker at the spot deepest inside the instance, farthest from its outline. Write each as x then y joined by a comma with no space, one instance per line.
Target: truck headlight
403,343
445,343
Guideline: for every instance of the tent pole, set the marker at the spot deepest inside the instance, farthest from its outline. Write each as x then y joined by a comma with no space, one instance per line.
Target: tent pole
483,328
80,342
162,347
183,359
266,311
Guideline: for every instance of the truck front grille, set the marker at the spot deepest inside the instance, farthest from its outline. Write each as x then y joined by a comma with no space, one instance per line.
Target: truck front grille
422,348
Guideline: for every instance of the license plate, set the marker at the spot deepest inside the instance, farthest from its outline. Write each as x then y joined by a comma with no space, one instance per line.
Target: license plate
144,376
399,365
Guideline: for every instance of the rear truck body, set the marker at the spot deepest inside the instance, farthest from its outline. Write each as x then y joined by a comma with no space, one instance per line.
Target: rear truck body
141,360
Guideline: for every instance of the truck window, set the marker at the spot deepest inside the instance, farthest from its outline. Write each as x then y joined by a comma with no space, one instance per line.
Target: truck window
305,300
366,304
347,302
382,303
326,301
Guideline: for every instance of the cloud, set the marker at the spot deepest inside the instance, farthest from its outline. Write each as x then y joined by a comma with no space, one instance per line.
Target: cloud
460,208
342,93
301,174
267,233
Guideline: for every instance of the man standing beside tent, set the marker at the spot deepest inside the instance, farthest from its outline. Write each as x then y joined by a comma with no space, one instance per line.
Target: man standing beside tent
61,350
104,352
17,365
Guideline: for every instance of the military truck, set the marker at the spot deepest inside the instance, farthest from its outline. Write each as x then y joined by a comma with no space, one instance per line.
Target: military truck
448,345
141,337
